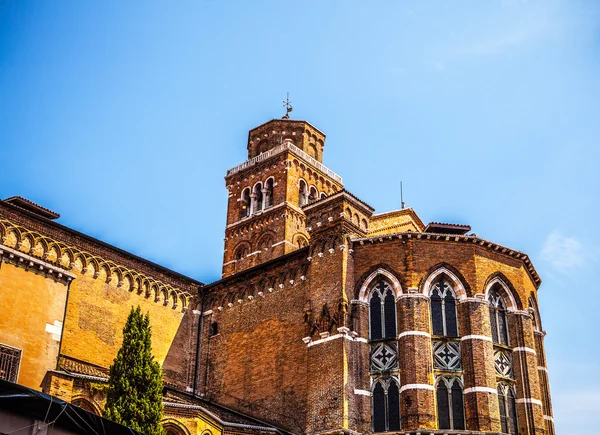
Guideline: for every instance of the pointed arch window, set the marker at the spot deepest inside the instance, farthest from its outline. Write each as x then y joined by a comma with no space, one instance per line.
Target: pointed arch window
450,403
443,310
508,408
386,405
313,194
382,312
498,317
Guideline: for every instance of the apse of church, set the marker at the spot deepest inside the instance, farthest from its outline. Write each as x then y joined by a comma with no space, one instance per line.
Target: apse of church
329,317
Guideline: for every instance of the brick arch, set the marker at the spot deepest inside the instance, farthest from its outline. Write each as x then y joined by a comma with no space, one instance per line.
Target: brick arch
459,284
510,295
380,271
87,404
174,427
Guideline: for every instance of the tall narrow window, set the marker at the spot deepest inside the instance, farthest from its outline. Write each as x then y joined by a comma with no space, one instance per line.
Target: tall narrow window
313,194
443,310
302,193
498,318
450,404
245,203
269,193
386,405
257,196
384,358
508,409
382,308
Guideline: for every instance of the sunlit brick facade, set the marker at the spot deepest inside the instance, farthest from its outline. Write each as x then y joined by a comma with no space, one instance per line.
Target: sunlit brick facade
329,318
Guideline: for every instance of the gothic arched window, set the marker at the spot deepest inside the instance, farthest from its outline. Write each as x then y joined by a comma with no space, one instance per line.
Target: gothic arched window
269,193
302,193
443,310
245,203
382,312
450,404
386,405
508,409
498,317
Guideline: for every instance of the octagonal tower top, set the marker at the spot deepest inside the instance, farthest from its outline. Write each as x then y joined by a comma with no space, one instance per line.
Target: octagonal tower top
277,131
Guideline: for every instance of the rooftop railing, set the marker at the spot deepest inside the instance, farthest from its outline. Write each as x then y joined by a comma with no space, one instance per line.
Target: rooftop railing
286,146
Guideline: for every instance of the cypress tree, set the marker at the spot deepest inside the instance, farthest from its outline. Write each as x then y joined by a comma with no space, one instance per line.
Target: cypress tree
134,396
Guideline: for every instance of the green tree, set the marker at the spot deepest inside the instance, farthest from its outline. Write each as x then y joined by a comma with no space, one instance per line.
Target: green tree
134,396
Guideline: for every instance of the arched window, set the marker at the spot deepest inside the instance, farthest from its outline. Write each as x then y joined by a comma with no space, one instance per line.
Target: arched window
382,312
241,253
386,405
245,203
313,195
498,317
323,195
269,193
508,409
450,404
443,310
302,193
257,198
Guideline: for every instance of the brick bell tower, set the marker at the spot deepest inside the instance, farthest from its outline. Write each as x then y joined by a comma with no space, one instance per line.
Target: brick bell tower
284,172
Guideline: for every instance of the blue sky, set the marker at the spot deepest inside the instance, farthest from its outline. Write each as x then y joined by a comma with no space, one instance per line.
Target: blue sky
125,116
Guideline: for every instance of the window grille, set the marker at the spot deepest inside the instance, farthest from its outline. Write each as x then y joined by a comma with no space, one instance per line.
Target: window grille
10,359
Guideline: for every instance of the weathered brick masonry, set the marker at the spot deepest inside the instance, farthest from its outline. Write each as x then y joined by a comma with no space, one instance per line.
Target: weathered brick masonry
328,318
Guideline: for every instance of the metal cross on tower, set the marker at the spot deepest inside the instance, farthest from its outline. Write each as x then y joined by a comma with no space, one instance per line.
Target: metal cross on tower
288,107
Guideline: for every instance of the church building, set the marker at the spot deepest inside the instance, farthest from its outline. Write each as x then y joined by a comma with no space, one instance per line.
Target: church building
329,318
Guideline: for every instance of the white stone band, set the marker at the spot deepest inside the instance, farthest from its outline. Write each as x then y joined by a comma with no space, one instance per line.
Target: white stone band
542,368
525,349
476,337
362,392
407,333
530,400
480,390
416,387
549,417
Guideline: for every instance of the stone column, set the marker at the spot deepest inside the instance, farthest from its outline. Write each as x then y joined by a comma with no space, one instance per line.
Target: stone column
480,390
544,382
530,414
417,393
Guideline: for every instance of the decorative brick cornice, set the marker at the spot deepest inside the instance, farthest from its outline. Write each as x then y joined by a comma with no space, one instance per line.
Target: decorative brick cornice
453,238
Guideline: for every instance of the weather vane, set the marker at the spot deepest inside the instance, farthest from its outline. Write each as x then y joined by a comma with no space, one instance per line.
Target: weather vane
288,107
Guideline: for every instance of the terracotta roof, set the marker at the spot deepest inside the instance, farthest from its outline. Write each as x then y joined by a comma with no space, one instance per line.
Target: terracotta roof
25,204
445,228
339,192
76,366
224,415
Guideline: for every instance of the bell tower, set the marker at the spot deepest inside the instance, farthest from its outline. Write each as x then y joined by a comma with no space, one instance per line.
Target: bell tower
283,173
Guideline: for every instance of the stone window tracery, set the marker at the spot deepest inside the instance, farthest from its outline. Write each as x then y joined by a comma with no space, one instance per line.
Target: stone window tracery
498,318
446,355
450,403
443,310
508,408
385,406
